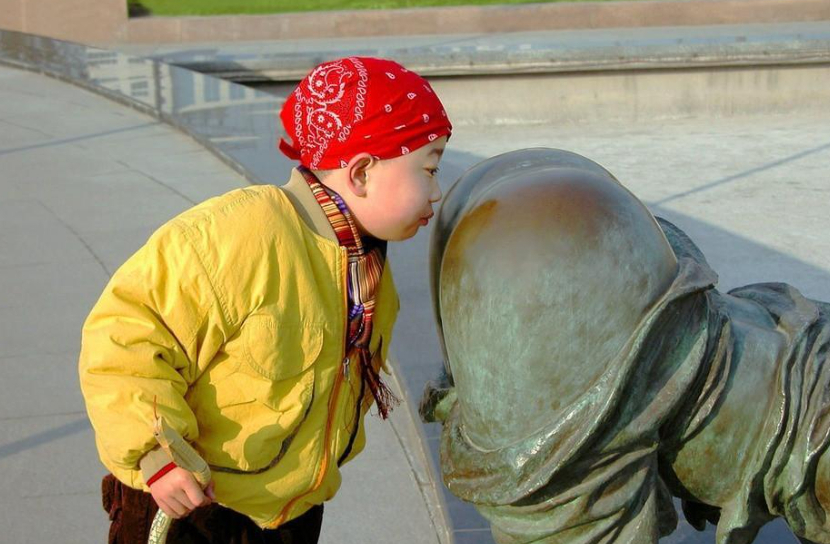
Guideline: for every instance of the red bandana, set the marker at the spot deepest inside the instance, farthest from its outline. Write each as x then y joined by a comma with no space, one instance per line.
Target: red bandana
360,104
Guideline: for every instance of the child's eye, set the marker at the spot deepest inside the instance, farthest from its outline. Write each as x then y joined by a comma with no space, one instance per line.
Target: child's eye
433,171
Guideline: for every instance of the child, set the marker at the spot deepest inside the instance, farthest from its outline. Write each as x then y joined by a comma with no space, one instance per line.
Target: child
255,324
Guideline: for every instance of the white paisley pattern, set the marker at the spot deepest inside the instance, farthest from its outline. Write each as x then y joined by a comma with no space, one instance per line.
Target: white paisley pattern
325,87
333,106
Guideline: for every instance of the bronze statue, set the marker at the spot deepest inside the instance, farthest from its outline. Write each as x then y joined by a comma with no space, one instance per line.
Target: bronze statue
593,370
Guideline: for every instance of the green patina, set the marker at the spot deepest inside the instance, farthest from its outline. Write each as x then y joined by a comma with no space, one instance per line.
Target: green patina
593,370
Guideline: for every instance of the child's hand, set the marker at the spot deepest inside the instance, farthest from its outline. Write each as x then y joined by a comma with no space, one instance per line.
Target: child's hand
178,493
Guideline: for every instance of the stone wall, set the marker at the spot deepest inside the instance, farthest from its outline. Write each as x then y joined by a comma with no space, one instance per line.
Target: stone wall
106,21
474,19
86,21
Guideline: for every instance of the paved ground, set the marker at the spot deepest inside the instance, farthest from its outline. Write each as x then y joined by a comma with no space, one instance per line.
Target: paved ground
83,182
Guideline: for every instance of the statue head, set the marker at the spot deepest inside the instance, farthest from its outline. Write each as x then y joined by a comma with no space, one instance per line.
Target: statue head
543,267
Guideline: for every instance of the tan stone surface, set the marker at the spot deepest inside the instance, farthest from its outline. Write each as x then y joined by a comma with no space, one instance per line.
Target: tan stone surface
276,28
149,30
11,14
77,20
205,29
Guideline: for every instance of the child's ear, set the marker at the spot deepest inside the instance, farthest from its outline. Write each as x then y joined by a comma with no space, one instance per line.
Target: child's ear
358,175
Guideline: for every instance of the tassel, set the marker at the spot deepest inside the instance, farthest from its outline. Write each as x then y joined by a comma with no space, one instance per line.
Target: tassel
385,399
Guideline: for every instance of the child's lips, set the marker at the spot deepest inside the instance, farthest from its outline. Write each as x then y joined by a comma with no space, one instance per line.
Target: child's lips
426,218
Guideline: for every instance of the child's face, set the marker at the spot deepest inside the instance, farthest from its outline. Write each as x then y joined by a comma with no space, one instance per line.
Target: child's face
400,193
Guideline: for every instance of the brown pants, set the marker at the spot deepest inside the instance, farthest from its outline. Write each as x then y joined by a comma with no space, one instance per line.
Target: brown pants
131,512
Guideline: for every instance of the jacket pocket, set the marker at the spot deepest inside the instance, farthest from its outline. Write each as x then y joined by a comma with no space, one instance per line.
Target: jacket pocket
280,350
268,395
282,354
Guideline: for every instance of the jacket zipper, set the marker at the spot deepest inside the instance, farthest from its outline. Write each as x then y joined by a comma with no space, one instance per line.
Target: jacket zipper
338,380
357,417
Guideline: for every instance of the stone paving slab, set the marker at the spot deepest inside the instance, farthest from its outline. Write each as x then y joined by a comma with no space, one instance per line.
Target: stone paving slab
83,183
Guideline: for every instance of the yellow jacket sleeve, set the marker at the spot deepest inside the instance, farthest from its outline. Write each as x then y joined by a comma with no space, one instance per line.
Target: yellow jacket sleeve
155,328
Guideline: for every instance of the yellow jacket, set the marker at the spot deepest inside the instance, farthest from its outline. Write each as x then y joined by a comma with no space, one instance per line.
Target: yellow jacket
232,317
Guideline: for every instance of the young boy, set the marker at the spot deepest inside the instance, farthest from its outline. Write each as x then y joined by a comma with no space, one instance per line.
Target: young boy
255,324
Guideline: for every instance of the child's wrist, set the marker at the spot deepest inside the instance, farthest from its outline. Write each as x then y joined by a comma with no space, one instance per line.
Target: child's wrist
164,470
152,463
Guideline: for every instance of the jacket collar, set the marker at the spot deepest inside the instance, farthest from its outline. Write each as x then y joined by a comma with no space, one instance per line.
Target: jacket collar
303,200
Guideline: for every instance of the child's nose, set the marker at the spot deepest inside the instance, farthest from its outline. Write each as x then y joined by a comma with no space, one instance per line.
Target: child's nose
436,195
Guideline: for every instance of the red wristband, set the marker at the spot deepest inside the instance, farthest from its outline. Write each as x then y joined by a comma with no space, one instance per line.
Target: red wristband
164,470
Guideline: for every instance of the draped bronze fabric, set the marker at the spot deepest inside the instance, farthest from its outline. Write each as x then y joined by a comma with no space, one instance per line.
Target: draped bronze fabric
720,399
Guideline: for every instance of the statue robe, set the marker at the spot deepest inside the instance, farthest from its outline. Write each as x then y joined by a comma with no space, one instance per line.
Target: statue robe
719,399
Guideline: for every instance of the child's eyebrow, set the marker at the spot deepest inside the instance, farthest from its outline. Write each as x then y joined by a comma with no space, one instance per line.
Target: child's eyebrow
438,152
